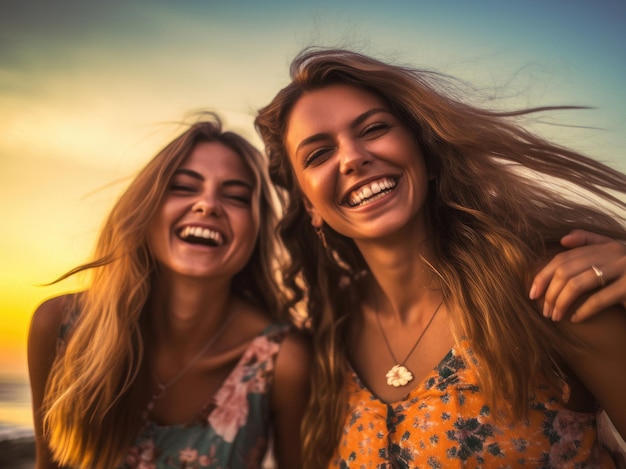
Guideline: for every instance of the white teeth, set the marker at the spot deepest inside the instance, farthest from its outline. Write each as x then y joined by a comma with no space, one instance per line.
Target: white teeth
368,192
200,232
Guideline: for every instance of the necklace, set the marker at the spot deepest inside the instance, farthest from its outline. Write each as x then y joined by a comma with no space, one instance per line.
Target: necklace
162,387
399,375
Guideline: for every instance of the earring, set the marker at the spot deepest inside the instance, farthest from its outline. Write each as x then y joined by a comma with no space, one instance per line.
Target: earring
320,234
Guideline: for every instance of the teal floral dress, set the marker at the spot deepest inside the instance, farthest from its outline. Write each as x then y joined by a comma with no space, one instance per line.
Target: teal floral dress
233,428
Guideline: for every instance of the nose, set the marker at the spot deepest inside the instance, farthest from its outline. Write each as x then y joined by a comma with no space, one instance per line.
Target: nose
353,157
207,207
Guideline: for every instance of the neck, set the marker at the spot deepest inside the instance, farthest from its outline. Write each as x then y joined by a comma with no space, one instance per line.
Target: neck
404,285
187,310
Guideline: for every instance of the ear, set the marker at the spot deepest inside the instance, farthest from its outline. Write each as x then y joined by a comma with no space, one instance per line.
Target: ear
316,219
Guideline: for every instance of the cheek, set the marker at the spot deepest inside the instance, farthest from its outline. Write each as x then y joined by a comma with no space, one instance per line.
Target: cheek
317,188
154,237
253,231
248,227
158,229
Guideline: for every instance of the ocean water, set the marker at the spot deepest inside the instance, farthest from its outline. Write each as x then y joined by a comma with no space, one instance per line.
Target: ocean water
15,408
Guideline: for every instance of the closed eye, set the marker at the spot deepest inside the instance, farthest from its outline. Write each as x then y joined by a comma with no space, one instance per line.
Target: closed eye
174,187
243,199
317,156
374,130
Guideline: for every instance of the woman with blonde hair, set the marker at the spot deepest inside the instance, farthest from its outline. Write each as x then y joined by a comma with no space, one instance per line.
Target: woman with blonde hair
179,354
429,213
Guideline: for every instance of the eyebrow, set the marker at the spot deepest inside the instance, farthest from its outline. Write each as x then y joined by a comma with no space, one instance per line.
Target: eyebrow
228,183
190,173
355,123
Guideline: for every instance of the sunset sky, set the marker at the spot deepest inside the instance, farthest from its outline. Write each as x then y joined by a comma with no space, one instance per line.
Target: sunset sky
89,91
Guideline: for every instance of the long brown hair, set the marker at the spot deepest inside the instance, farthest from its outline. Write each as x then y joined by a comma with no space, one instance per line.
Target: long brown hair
95,391
492,222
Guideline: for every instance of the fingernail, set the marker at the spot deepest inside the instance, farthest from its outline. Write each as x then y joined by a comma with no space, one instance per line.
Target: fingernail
546,310
533,289
574,318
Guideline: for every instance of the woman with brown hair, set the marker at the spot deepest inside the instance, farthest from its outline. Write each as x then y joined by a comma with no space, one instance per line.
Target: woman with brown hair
179,353
432,216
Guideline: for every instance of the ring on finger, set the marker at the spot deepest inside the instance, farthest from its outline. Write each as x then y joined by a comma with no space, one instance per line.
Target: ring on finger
600,275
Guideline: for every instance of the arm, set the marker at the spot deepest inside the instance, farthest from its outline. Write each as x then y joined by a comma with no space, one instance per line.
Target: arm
601,364
290,396
42,339
569,275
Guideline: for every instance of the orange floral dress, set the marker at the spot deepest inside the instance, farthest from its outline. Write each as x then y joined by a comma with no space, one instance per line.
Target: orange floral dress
445,422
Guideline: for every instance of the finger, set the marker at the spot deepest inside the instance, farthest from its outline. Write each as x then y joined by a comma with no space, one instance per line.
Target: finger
546,276
553,276
571,291
551,279
614,291
608,296
578,238
573,280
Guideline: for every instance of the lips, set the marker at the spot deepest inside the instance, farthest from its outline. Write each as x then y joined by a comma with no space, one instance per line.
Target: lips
370,191
201,235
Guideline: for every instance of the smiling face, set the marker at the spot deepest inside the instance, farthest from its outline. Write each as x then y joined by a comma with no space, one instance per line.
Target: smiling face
205,226
358,166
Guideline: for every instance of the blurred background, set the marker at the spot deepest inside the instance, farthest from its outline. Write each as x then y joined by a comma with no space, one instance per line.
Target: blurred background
89,91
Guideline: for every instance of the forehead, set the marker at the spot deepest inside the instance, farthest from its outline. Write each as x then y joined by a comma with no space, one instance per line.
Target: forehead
326,108
214,159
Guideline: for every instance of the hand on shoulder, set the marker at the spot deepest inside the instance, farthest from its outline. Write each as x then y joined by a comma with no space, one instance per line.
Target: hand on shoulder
570,276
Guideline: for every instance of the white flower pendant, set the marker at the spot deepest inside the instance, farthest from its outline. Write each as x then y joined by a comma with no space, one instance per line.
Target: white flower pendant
399,375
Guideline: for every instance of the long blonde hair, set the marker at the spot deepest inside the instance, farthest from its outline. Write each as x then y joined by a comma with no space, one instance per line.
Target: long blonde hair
96,386
491,225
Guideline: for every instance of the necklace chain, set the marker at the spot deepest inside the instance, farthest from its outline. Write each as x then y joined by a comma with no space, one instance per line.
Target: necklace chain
399,375
162,387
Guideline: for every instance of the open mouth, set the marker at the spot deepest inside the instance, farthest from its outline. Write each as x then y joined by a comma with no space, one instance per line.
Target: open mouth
201,235
370,192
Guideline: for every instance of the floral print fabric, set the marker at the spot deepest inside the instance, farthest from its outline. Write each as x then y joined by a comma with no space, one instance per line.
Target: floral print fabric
231,431
445,422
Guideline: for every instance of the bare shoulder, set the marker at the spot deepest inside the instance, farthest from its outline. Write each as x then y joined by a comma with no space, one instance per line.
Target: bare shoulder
296,347
42,345
296,350
251,320
602,331
48,316
290,396
293,363
601,360
44,332
601,340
